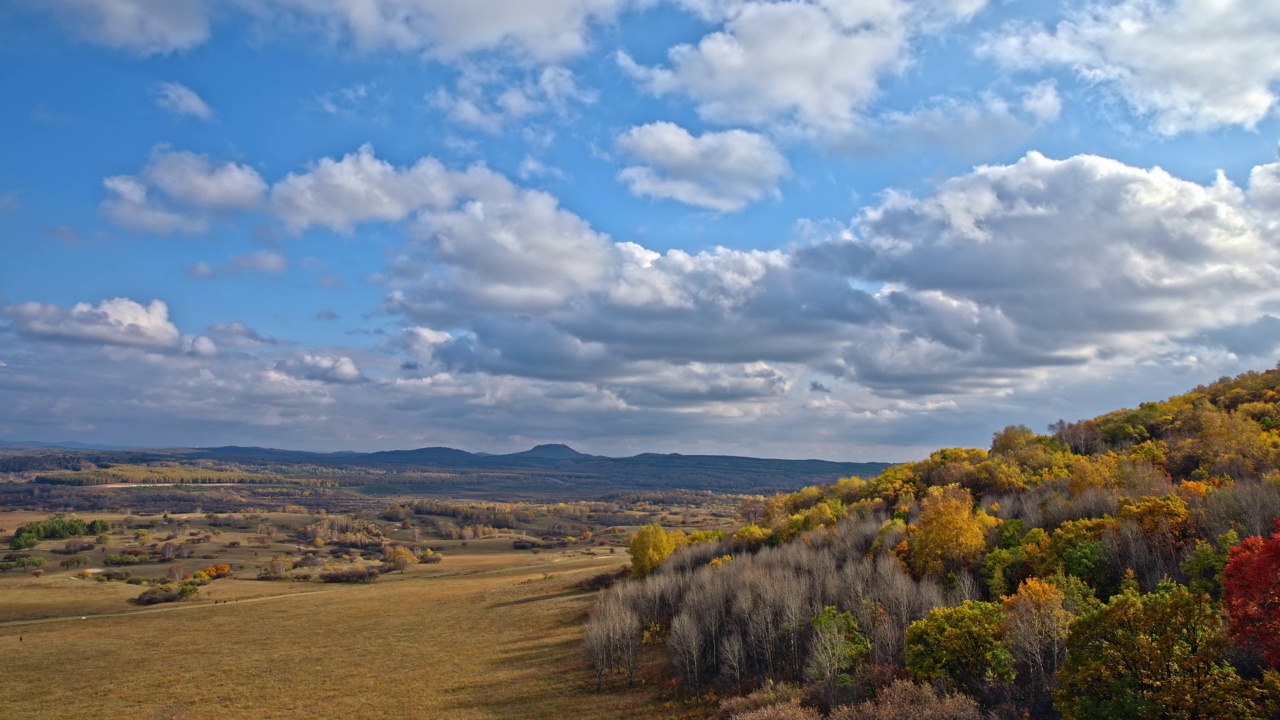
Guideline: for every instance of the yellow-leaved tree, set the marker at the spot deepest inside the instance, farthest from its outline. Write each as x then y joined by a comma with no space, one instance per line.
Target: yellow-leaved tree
651,545
949,534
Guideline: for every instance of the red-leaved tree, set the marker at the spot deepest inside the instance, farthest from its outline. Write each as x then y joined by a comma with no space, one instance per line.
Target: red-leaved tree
1252,594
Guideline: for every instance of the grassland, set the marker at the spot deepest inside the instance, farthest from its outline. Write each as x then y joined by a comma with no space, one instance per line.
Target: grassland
488,633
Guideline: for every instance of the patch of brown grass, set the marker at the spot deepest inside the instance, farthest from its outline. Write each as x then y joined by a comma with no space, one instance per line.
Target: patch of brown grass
485,634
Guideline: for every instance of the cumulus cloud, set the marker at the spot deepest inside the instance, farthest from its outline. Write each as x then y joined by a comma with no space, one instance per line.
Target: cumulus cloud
814,65
985,285
190,189
198,182
722,171
118,321
200,346
990,283
1189,65
130,205
359,187
179,99
143,27
323,368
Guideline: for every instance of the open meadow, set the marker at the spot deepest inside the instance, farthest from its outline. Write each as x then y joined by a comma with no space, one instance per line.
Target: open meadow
487,632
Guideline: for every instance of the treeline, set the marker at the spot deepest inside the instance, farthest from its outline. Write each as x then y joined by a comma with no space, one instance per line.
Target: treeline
1116,567
493,515
170,474
342,531
58,527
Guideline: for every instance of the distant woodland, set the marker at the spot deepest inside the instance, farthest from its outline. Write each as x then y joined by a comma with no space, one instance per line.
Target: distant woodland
543,471
1126,566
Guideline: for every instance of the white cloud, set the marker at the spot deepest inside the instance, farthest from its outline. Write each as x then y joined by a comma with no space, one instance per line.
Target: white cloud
129,205
511,247
721,171
359,187
323,368
144,27
984,286
1190,65
816,64
1042,101
813,66
200,346
196,181
191,188
543,30
118,321
971,127
489,100
180,100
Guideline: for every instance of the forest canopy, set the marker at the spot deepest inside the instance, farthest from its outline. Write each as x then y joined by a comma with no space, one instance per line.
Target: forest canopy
1122,566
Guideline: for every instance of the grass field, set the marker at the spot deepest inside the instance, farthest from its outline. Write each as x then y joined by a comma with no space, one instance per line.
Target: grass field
488,633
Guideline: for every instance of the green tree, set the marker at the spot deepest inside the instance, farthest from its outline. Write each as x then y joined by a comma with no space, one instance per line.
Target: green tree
837,646
1150,657
960,647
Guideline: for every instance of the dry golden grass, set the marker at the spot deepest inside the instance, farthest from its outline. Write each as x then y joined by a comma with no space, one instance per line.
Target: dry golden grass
486,634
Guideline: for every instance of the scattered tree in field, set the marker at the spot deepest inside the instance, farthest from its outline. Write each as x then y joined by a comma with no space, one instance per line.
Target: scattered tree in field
1149,657
219,570
276,567
1252,594
651,545
399,558
58,527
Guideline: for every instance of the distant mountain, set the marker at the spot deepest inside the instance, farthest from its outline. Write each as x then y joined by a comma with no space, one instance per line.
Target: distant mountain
63,445
545,468
549,452
435,456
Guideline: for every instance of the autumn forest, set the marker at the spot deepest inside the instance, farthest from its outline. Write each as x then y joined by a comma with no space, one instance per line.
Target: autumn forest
1123,566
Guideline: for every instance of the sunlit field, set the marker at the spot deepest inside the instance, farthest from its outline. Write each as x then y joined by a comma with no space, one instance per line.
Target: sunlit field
488,633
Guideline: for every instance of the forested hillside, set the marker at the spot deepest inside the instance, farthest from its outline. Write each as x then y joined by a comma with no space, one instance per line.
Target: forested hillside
1124,566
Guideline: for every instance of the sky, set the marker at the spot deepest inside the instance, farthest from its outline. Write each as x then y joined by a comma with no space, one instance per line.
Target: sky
852,230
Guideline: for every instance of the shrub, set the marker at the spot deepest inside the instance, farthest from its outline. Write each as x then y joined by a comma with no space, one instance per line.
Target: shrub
169,592
769,694
124,559
353,575
784,711
905,700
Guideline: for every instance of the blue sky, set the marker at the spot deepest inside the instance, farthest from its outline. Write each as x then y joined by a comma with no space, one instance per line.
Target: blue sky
849,230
